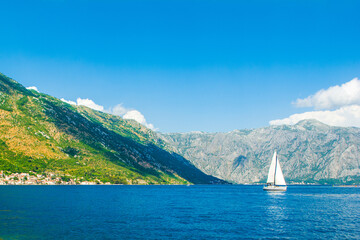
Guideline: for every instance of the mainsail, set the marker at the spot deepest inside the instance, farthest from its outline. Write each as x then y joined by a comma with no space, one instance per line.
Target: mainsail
271,175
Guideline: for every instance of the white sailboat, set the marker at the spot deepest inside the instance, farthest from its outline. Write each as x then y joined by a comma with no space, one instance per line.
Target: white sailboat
275,181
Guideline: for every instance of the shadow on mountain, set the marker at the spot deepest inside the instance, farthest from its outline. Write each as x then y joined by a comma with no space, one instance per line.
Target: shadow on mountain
143,159
240,161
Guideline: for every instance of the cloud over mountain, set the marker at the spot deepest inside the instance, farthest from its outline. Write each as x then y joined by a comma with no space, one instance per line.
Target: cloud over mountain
33,88
118,110
137,116
68,101
333,97
128,113
340,104
345,117
89,103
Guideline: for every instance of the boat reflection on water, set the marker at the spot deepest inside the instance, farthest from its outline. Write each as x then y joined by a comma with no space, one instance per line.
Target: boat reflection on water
276,212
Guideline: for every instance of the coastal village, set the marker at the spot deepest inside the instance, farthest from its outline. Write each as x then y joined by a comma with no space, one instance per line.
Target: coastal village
39,179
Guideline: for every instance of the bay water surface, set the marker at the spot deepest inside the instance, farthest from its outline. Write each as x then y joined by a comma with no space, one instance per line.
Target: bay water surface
178,212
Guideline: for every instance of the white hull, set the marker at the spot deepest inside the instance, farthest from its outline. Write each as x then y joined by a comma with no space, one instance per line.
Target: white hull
275,188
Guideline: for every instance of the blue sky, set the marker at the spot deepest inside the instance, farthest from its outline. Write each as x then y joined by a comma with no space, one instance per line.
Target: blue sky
185,65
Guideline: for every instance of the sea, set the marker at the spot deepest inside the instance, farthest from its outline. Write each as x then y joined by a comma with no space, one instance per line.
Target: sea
178,212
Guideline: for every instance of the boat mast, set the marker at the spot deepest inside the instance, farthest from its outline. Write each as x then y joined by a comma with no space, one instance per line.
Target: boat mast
275,169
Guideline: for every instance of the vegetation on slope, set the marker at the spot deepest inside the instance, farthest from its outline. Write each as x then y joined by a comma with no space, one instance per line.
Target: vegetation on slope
41,134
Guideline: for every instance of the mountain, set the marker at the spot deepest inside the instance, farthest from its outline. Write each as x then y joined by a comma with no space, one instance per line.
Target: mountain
40,134
309,152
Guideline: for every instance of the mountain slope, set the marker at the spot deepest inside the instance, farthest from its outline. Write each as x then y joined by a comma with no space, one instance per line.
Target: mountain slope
42,134
309,151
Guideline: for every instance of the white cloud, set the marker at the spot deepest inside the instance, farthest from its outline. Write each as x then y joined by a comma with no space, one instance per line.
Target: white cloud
344,117
33,88
137,116
89,103
333,97
68,101
118,110
133,114
340,104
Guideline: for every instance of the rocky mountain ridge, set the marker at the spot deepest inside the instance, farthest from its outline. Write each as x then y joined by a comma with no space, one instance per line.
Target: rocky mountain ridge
41,134
309,152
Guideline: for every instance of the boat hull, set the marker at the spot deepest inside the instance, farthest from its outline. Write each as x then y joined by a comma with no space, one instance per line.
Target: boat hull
275,188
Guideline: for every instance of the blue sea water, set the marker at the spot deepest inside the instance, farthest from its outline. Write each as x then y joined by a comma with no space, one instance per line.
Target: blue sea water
178,212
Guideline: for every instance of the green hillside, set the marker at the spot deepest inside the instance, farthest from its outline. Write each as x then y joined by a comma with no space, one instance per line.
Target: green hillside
40,134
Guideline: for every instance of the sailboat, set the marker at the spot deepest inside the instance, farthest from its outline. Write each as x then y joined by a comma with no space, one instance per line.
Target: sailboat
275,181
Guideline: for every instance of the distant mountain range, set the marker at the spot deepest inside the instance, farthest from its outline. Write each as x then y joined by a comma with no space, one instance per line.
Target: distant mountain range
40,134
309,152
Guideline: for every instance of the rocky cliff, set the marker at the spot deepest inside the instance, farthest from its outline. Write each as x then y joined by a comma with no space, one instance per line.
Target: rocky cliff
309,152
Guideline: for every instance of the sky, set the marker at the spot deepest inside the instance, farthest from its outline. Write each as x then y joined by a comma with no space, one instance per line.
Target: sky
180,66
